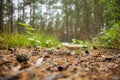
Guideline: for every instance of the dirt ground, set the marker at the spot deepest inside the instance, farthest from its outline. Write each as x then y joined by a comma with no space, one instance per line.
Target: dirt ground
60,64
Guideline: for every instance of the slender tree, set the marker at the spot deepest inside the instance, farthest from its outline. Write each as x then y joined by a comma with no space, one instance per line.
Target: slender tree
77,20
10,15
23,14
67,14
1,16
84,20
98,18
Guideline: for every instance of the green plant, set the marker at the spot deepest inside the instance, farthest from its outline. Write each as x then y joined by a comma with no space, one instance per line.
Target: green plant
39,40
84,43
111,37
28,39
49,41
75,41
112,12
30,33
14,40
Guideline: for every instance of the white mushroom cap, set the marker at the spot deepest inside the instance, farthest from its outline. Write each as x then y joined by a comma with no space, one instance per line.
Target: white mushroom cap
72,46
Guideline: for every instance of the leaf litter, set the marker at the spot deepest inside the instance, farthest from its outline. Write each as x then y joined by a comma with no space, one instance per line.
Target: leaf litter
59,64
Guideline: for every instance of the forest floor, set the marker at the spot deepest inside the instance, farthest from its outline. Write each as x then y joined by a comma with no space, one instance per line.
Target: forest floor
60,64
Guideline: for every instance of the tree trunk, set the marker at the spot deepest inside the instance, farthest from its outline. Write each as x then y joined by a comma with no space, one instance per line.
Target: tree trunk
96,25
84,21
66,20
1,16
30,12
23,17
98,18
77,20
10,11
33,15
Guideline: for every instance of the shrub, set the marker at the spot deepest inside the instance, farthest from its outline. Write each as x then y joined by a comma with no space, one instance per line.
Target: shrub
111,37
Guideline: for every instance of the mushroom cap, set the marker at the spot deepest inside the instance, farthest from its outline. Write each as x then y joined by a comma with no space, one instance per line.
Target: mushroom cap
72,46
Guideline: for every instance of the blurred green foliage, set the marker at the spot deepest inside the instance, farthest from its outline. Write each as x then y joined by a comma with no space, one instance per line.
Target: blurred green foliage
80,42
28,39
111,37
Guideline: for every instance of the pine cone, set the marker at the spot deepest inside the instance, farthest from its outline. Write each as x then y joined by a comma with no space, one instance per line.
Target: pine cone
22,58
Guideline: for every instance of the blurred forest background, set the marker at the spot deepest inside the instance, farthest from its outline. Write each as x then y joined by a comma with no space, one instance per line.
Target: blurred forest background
66,19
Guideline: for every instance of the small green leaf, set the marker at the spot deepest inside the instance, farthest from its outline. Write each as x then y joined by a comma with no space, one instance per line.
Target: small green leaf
74,41
38,41
31,39
30,29
24,24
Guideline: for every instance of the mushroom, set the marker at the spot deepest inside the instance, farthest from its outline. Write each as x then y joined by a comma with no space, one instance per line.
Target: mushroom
72,47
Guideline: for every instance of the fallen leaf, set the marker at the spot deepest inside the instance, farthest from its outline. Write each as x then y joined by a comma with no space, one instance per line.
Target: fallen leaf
39,62
17,68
